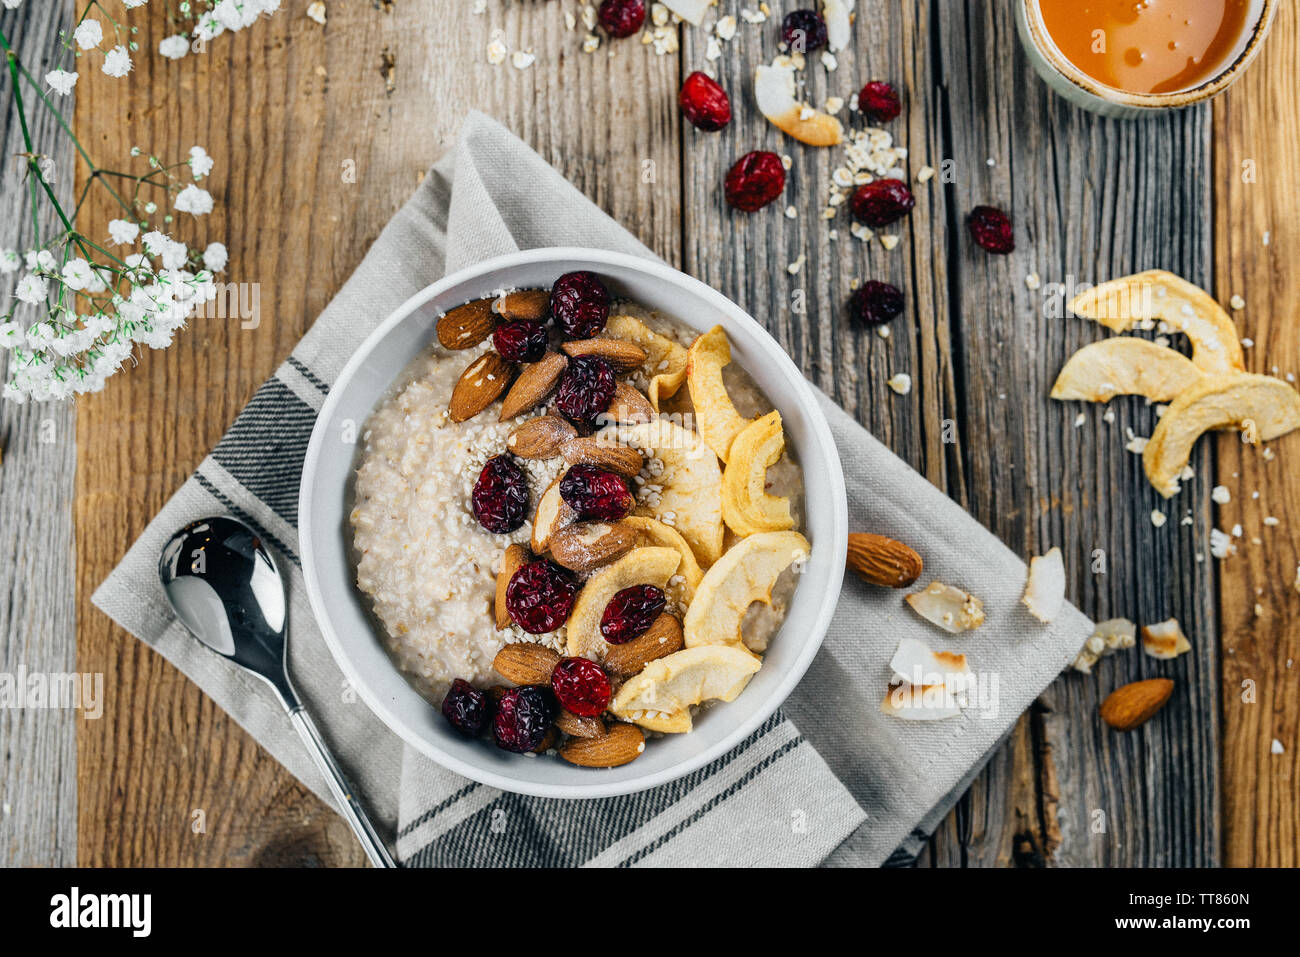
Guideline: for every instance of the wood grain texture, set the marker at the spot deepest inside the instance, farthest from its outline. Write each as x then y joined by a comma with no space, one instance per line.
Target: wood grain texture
1257,245
1091,199
38,822
286,108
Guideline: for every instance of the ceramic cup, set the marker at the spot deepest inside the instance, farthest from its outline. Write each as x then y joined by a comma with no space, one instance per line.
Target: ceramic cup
1082,90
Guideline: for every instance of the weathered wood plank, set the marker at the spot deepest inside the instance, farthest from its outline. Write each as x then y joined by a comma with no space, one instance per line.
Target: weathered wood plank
1091,199
283,106
38,824
1257,246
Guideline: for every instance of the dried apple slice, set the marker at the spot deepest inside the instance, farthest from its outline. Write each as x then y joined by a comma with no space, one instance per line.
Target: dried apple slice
1045,589
747,508
649,531
715,415
838,15
668,687
1155,295
744,575
690,494
1125,365
774,91
665,363
641,566
949,607
1262,406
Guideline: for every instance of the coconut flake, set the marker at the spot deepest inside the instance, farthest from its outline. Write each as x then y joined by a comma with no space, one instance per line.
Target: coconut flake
1045,589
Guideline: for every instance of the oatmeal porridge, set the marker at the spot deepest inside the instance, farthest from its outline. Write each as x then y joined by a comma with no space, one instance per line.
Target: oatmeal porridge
549,536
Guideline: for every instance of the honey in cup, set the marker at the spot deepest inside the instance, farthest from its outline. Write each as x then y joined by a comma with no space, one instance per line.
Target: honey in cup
1147,46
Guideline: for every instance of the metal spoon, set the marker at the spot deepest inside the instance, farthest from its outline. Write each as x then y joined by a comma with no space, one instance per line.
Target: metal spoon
226,589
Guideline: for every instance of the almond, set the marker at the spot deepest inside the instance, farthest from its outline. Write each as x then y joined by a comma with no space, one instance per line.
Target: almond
629,406
531,304
526,663
553,513
540,438
589,545
624,356
663,637
570,723
479,386
534,385
621,744
466,326
1131,705
511,561
603,453
883,561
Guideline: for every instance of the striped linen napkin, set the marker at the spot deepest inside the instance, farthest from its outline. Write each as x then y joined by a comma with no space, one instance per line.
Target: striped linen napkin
827,780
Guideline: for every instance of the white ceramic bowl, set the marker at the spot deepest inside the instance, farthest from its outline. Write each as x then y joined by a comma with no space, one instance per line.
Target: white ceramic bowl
339,606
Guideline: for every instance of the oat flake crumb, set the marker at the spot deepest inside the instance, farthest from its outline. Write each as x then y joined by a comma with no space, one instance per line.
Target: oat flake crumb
316,11
901,383
1220,495
1158,518
1236,302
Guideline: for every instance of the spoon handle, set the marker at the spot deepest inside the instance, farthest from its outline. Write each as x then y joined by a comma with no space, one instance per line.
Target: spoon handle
347,802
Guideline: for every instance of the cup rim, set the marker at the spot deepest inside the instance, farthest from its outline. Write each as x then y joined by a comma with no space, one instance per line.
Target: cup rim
1046,47
820,438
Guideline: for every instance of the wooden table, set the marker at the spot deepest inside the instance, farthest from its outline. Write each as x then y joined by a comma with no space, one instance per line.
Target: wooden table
289,108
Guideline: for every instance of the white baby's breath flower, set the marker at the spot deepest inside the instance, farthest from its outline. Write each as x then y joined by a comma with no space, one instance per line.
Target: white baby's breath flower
174,256
154,243
9,260
132,4
61,81
215,257
194,200
117,62
200,162
32,289
175,47
41,259
89,34
12,4
122,233
76,274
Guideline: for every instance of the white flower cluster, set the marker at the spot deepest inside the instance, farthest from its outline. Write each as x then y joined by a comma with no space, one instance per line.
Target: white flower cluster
218,17
93,312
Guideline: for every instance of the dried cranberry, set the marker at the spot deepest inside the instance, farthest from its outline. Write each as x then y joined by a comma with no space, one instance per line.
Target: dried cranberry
804,30
586,389
882,202
595,493
522,341
991,229
630,613
523,717
540,596
879,100
581,687
466,708
875,303
755,180
500,496
622,18
580,304
704,103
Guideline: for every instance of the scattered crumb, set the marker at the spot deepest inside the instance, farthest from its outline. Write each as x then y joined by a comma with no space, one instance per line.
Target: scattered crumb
1033,281
1108,416
496,51
791,212
901,383
522,60
1276,747
1236,302
1079,420
889,240
316,11
1220,495
795,266
1271,521
1158,518
925,174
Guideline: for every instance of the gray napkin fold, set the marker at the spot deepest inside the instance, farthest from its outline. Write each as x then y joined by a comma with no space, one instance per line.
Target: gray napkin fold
829,779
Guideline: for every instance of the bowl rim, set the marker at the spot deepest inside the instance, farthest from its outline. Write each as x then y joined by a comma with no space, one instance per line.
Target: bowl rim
820,436
1046,47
